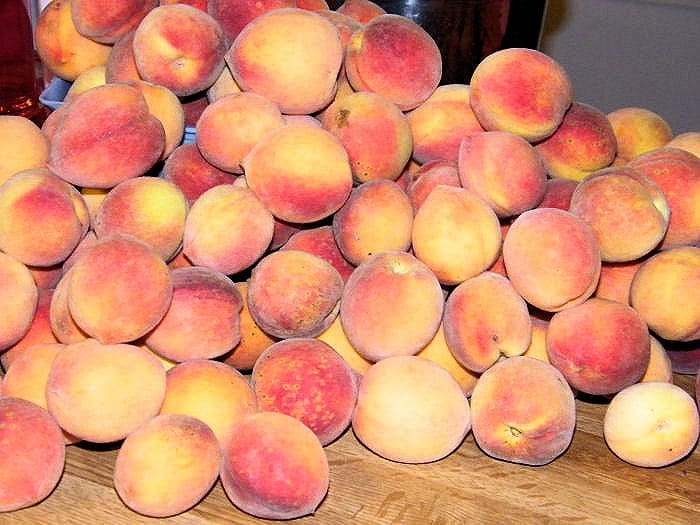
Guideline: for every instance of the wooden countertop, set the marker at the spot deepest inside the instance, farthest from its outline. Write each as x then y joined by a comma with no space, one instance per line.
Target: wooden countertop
588,484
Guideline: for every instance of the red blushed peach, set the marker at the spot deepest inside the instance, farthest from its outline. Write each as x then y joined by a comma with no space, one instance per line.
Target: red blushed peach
335,336
393,56
62,324
119,289
121,65
552,258
485,319
584,142
600,346
274,467
361,10
20,295
234,15
455,233
616,279
523,411
391,305
429,175
557,193
308,380
520,90
102,124
194,106
638,130
167,465
23,145
439,124
282,231
227,228
626,210
375,133
107,21
102,392
666,294
32,454
180,47
410,410
211,391
302,174
651,424
46,277
202,320
344,23
320,241
297,69
510,183
688,141
377,217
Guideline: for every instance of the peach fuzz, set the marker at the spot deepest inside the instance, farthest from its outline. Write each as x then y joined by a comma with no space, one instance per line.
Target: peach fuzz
410,410
308,380
23,146
228,229
688,141
335,336
20,295
180,47
651,424
203,318
456,234
520,90
101,124
439,124
321,241
660,366
666,294
557,193
119,289
234,15
616,279
429,175
121,65
274,467
102,392
302,174
296,69
523,411
376,217
600,346
211,391
229,128
511,183
32,454
547,242
584,142
167,465
393,56
62,49
106,22
638,130
361,10
62,323
391,305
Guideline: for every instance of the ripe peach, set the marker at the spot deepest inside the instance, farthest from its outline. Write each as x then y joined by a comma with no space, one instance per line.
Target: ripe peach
344,23
429,175
638,130
616,279
92,77
121,64
47,277
22,146
27,375
660,366
538,339
321,241
361,10
106,22
335,336
62,323
222,86
557,193
688,141
234,15
20,295
410,410
651,424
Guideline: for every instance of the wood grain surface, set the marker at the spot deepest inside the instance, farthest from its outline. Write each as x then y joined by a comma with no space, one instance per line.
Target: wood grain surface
588,484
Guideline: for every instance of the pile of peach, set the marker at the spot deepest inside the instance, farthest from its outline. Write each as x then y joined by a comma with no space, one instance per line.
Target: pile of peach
346,244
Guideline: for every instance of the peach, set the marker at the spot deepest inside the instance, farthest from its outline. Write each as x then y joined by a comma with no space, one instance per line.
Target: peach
510,183
377,217
274,467
584,142
180,47
167,465
214,392
429,175
391,305
312,5
688,141
344,23
321,241
665,292
20,295
374,132
557,193
22,146
203,318
234,15
62,323
523,411
600,346
47,277
222,86
308,380
552,258
335,336
616,279
638,130
102,392
410,410
393,56
32,454
456,234
121,64
294,293
626,210
62,49
119,289
282,231
439,124
302,174
296,69
660,366
92,77
106,22
229,128
228,229
100,125
361,10
538,339
651,424
193,105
